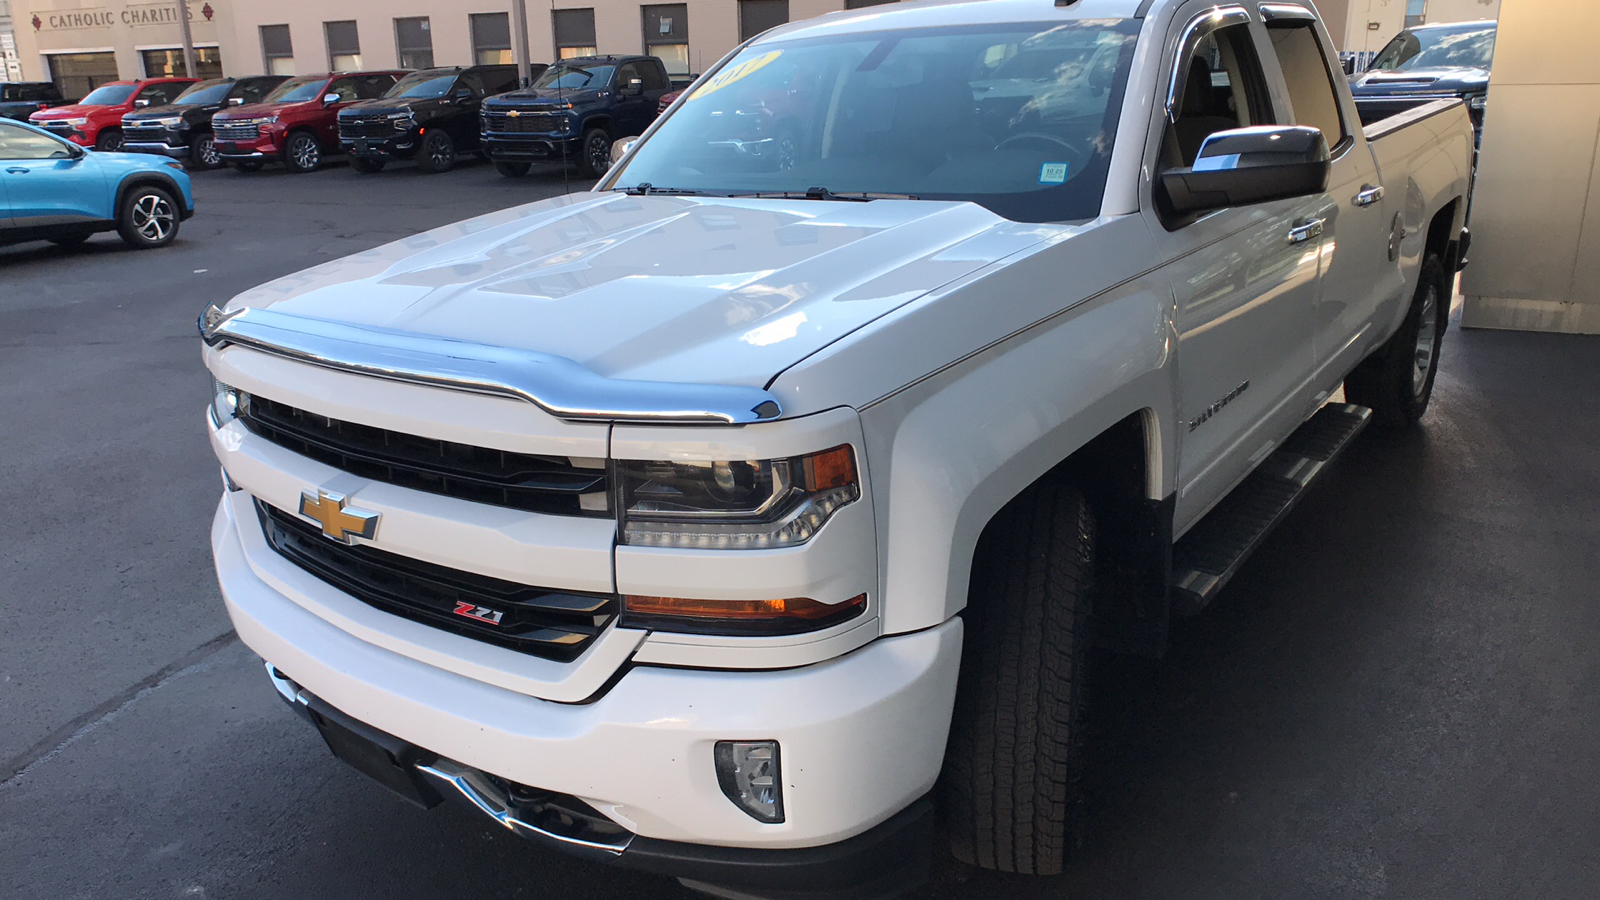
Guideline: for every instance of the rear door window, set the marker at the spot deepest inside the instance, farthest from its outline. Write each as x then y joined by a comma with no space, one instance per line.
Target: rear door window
1309,78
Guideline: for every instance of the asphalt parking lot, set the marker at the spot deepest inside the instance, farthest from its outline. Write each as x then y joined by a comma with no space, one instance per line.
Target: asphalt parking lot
1397,698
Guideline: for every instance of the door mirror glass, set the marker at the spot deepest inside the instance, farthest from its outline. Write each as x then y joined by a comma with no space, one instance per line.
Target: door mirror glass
330,99
141,103
235,101
1247,166
634,87
620,148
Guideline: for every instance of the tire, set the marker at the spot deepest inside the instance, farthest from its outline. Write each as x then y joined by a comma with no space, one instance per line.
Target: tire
203,153
437,153
71,240
109,140
512,169
249,165
302,153
1011,782
595,157
366,165
1396,382
148,218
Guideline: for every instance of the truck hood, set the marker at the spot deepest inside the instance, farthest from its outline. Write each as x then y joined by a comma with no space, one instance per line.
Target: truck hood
698,290
257,110
540,97
1410,81
72,111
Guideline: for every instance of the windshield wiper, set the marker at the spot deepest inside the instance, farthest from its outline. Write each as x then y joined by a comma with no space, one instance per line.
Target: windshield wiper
822,193
645,187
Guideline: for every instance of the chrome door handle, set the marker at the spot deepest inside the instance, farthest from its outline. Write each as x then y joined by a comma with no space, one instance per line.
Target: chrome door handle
1307,231
1369,195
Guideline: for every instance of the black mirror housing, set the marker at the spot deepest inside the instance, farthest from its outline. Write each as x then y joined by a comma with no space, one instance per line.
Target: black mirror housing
1247,166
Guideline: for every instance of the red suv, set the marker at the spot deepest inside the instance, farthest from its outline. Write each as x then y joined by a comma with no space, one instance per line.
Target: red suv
298,123
96,120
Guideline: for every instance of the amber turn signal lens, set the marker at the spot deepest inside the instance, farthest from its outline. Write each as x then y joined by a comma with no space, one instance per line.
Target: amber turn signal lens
830,469
787,616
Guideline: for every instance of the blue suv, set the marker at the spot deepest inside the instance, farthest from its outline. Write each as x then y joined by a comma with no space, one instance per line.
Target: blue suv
54,190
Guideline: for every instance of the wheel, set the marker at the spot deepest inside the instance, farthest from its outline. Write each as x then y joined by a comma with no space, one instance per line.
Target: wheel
367,165
1397,380
203,153
148,217
249,165
109,141
437,153
512,169
71,240
302,153
1011,775
596,156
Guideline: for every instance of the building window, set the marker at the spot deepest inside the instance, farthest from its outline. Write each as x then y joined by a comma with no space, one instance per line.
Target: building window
76,74
277,50
1416,12
756,16
574,30
344,46
168,63
413,41
666,35
863,4
491,38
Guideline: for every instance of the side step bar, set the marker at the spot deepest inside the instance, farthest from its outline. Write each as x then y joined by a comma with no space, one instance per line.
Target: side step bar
1215,548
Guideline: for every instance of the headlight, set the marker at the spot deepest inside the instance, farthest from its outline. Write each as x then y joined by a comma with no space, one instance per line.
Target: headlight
76,123
227,403
170,122
734,504
267,120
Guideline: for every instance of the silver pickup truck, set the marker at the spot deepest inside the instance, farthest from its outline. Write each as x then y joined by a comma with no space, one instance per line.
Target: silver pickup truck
725,520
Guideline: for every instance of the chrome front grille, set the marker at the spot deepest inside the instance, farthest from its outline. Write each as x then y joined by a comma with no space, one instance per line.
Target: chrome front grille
236,131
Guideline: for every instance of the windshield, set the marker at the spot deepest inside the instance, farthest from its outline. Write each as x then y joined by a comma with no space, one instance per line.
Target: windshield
1018,118
110,95
570,77
204,93
423,84
296,90
1438,48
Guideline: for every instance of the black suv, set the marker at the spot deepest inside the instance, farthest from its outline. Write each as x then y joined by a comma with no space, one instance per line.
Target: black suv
573,111
430,116
182,129
21,99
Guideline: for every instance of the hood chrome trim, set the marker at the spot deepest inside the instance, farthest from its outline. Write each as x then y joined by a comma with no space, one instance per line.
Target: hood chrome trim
557,385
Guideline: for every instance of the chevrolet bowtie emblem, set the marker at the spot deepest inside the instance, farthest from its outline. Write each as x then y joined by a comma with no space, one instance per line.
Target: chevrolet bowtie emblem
513,114
328,510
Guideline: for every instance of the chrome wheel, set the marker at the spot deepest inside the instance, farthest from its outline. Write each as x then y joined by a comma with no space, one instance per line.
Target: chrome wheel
154,218
1427,335
305,153
205,151
441,154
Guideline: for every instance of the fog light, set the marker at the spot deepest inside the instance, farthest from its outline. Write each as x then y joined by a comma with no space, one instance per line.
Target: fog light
749,774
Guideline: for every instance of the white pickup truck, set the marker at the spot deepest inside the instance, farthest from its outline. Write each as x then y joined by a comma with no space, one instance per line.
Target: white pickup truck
721,520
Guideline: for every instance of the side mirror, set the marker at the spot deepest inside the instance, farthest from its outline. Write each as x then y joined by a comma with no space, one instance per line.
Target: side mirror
1349,65
634,87
1249,166
620,148
235,101
76,152
330,99
140,104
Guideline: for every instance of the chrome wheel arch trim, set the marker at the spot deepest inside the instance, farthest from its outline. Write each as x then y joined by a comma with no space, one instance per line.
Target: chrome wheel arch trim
558,385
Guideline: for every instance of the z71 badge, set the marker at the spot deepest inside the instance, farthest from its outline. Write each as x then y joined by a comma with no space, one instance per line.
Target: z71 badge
480,613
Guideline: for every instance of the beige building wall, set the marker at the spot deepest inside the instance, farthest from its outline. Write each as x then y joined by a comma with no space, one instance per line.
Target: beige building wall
1441,11
120,27
1536,210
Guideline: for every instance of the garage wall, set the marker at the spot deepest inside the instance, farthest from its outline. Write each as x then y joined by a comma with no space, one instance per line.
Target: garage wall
1536,210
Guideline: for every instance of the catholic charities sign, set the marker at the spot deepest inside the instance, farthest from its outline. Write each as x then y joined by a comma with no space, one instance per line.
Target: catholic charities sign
132,16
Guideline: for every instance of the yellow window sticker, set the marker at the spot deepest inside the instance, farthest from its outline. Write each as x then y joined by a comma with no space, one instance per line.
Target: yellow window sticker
735,72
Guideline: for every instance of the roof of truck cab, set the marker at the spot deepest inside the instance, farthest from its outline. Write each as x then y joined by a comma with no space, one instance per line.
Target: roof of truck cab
933,13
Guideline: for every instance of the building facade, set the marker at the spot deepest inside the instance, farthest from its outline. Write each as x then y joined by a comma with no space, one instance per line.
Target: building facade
81,44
